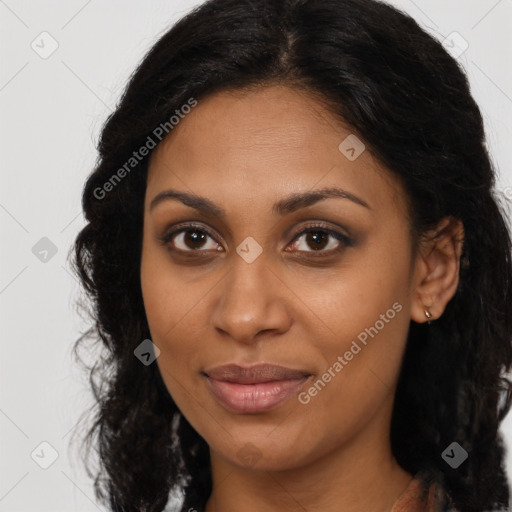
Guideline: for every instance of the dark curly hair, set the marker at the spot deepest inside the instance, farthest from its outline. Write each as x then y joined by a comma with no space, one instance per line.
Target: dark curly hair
410,101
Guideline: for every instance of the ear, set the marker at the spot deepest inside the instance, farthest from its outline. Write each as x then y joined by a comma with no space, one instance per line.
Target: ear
437,265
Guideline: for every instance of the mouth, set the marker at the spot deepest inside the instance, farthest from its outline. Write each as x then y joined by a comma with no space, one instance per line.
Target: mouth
254,389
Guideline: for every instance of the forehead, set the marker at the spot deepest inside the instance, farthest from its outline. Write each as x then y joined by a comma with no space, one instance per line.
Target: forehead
249,145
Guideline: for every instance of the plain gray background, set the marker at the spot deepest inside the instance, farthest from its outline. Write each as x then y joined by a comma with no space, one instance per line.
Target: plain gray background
52,108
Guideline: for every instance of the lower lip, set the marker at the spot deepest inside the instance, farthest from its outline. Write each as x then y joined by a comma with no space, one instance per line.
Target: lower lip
253,398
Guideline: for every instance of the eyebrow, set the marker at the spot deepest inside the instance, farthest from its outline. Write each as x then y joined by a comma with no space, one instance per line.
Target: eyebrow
282,207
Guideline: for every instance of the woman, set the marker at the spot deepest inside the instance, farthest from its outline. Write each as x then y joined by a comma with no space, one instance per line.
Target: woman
299,271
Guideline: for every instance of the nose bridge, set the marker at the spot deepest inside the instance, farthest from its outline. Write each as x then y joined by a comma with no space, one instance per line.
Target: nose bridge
245,286
250,301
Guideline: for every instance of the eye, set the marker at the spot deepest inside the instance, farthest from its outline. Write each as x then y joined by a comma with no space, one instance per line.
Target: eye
190,238
322,240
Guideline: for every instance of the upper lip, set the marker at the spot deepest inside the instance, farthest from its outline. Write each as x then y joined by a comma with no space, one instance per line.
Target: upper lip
254,374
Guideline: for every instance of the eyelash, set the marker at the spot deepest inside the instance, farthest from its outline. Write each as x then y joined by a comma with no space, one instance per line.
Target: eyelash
317,227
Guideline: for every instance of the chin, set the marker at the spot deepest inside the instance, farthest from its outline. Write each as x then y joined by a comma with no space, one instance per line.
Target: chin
263,454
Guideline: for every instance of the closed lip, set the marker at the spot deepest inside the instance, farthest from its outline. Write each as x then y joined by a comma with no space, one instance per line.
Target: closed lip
255,374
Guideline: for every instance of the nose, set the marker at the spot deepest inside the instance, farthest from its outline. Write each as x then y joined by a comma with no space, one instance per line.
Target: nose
252,302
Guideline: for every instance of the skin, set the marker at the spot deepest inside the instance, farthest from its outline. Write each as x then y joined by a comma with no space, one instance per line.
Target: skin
245,150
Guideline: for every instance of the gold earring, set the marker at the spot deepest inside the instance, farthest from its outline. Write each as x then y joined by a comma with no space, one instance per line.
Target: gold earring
428,315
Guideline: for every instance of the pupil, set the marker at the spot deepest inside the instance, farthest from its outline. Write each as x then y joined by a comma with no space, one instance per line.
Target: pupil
319,240
195,237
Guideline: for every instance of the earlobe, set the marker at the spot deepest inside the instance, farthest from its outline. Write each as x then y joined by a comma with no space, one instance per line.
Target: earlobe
438,266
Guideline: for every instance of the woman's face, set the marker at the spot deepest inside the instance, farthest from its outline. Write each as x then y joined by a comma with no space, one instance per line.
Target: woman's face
242,281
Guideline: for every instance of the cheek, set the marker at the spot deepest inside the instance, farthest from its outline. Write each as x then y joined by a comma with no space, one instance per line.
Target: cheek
175,311
369,291
165,306
169,299
361,322
362,365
